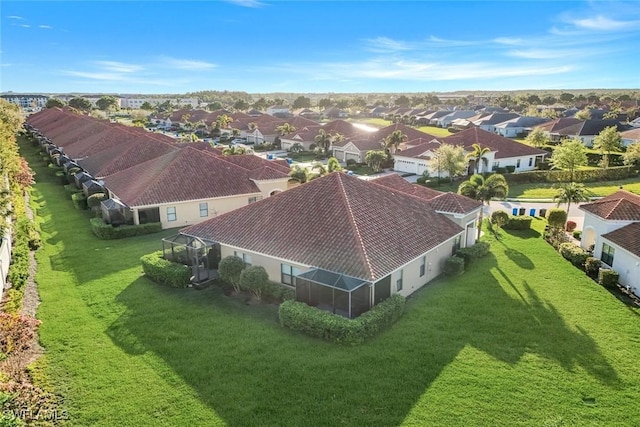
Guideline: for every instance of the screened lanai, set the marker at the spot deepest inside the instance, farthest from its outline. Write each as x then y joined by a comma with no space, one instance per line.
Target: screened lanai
334,292
115,212
201,255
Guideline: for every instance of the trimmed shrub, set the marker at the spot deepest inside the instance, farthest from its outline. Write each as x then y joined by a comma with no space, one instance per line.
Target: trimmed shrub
570,226
608,278
335,328
510,169
518,223
229,270
165,272
470,253
577,234
575,254
556,218
453,266
108,232
278,291
71,189
582,175
592,266
16,332
79,201
500,218
253,280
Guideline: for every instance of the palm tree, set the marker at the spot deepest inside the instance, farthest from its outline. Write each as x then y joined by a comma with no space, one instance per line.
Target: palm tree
478,154
571,192
394,139
323,140
479,188
285,129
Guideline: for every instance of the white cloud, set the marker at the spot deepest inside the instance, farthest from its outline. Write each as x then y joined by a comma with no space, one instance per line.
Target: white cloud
246,3
602,23
433,40
119,67
542,53
386,45
25,26
16,17
186,64
508,40
46,27
95,75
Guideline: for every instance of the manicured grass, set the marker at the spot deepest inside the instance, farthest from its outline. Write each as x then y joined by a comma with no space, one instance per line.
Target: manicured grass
431,130
434,130
522,338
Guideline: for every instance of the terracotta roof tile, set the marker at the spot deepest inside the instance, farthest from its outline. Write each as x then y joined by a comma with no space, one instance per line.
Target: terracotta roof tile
619,206
355,229
504,147
627,237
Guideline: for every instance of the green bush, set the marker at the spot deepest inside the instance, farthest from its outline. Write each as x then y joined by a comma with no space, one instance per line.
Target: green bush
71,189
577,234
518,223
470,253
165,272
453,266
556,218
94,200
108,232
499,218
575,254
608,278
592,266
62,177
253,280
79,201
229,270
582,175
26,229
335,328
278,291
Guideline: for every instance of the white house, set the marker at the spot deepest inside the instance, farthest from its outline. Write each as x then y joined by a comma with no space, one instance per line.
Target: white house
611,228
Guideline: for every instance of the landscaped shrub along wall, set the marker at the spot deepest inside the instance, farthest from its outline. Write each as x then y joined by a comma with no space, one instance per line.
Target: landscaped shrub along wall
165,272
518,223
108,232
335,328
470,253
583,175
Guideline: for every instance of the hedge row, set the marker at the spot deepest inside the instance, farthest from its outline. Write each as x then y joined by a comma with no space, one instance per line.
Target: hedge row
518,223
470,253
165,272
334,328
108,232
453,266
79,201
575,254
583,175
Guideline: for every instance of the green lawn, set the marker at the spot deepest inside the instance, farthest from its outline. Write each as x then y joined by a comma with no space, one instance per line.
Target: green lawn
522,338
431,130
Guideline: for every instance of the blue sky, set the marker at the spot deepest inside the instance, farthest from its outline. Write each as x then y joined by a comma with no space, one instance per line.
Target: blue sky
317,46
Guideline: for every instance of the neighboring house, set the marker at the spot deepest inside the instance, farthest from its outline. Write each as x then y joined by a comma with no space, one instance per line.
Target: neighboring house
26,101
587,130
335,113
355,149
189,186
432,118
552,129
630,136
635,123
504,151
380,111
611,228
278,110
490,121
521,125
354,252
445,120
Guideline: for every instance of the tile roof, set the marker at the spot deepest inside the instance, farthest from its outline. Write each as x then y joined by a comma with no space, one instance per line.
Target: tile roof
627,237
555,125
355,228
504,147
633,134
590,127
495,118
251,162
418,151
619,206
187,174
267,173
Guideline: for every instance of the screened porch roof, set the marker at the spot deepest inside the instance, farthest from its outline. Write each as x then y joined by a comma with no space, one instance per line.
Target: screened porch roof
188,241
333,280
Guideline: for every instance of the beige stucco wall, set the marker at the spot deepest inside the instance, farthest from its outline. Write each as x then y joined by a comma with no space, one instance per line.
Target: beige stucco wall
266,187
411,280
270,264
188,213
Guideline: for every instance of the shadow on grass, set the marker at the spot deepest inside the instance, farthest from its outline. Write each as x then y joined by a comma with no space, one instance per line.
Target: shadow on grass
237,358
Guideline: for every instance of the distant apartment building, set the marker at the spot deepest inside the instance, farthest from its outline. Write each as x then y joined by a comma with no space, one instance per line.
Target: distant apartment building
26,101
136,103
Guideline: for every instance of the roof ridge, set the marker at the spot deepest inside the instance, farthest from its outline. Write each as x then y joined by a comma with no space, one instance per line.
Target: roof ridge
354,224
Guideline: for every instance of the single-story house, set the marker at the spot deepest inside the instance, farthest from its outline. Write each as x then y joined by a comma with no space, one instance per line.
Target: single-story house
630,136
520,125
445,120
611,228
357,249
587,130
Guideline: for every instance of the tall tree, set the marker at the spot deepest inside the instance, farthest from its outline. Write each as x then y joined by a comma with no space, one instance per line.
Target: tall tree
107,103
82,104
537,138
479,188
393,140
570,192
285,129
241,105
632,155
478,155
607,141
374,159
301,102
323,140
54,102
449,158
569,155
146,106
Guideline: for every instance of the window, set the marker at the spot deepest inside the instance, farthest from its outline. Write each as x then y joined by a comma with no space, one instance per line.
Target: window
287,272
607,254
204,210
253,199
399,282
530,161
423,262
171,214
244,257
456,245
518,163
495,165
